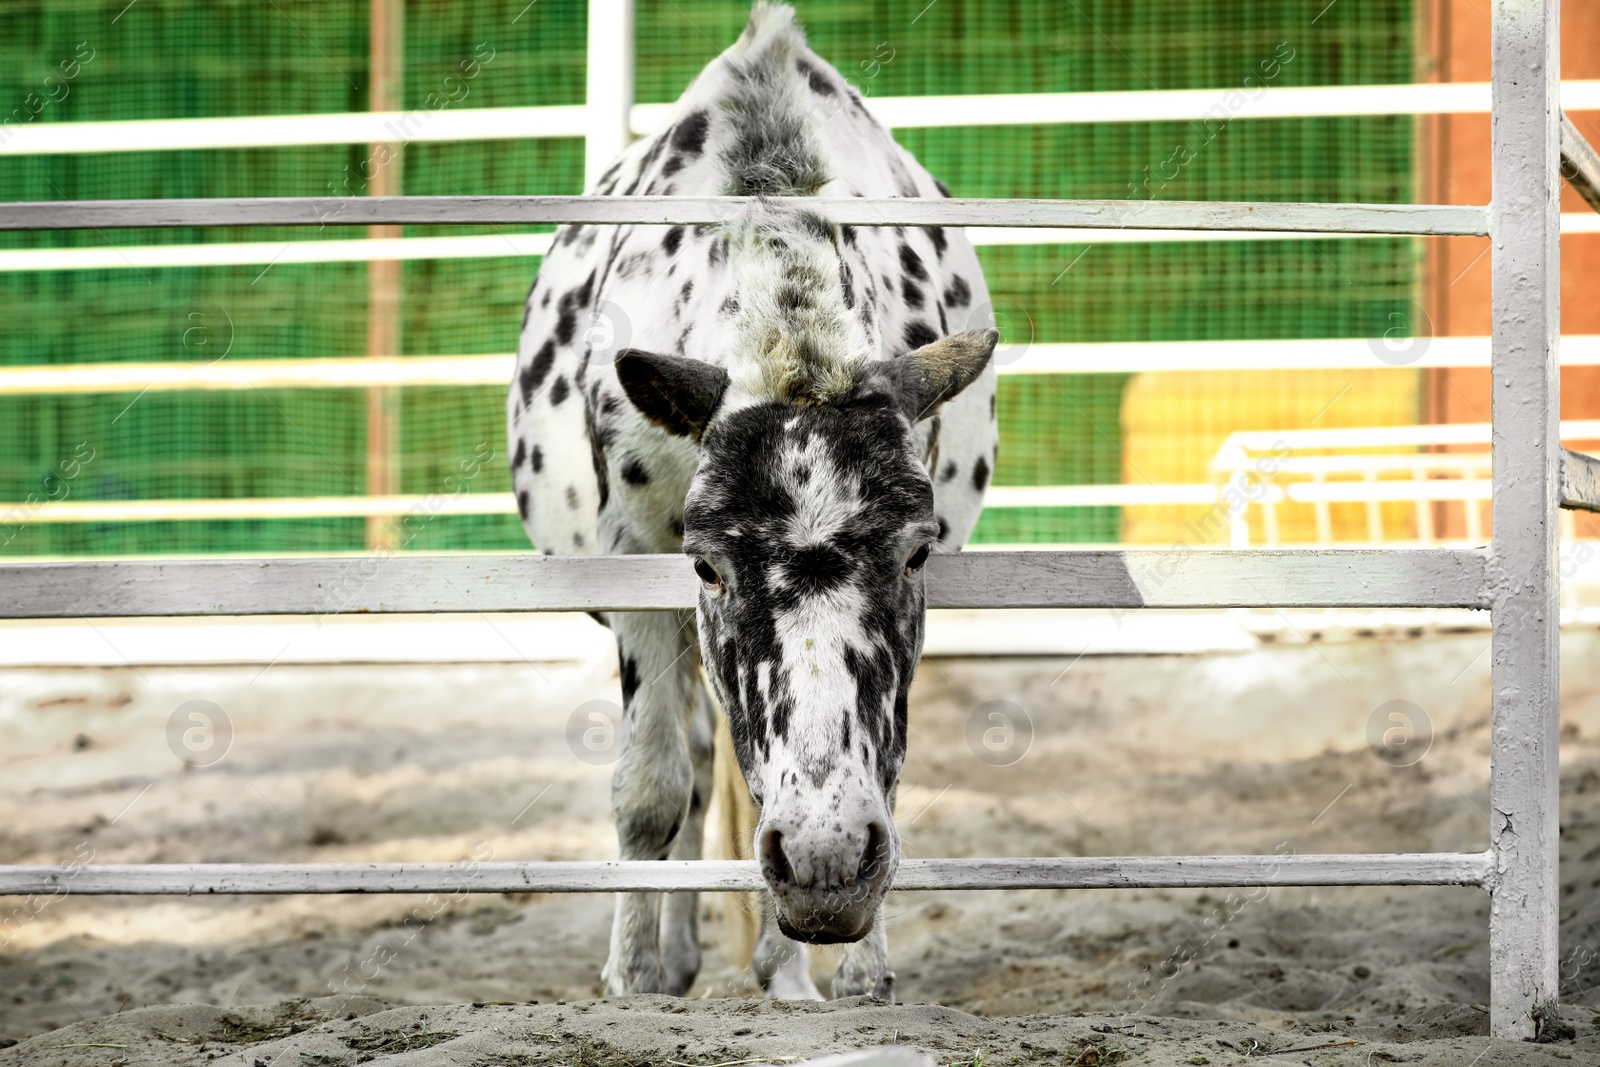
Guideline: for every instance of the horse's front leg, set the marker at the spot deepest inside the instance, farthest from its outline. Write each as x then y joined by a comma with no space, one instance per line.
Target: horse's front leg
864,969
782,966
680,918
652,784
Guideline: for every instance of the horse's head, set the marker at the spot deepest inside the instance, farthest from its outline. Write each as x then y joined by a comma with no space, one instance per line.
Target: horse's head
809,520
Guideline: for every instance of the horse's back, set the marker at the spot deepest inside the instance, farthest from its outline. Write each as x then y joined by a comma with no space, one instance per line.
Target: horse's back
575,438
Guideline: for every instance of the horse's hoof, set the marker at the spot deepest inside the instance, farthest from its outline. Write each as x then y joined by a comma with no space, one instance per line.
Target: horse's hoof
681,965
879,987
639,976
788,985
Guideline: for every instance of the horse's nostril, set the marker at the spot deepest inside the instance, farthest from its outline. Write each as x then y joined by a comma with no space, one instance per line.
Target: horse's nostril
875,856
773,859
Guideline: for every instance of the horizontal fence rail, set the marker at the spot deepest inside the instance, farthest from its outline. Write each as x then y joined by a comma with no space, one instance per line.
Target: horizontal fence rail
1580,481
530,245
1402,219
1175,578
623,876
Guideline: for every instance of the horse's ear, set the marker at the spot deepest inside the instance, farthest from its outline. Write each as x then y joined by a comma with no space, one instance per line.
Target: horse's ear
934,373
679,395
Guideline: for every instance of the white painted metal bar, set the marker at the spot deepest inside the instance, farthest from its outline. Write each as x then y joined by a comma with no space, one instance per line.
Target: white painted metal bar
1580,481
528,582
1580,163
681,876
528,245
1137,357
1415,219
1524,794
508,123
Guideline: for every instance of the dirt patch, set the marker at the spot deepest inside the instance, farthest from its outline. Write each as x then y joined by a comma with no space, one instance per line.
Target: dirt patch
641,1031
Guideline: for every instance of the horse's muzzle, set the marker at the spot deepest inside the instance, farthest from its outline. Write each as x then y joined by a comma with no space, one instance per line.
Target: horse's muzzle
828,885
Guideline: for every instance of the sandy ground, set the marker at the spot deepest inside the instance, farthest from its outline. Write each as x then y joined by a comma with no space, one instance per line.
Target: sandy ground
1257,752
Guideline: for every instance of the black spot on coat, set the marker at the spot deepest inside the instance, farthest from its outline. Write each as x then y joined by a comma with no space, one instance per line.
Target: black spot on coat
537,370
630,679
911,263
566,326
672,240
559,390
818,81
918,334
689,136
958,294
793,298
980,474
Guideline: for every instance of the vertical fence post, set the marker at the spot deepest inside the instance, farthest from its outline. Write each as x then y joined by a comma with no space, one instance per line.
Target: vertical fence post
1524,791
609,85
387,51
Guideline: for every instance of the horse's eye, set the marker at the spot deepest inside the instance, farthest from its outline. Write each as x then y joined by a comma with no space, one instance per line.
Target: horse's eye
707,572
918,558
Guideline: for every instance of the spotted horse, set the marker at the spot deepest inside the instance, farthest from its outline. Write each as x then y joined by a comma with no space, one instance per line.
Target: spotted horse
807,411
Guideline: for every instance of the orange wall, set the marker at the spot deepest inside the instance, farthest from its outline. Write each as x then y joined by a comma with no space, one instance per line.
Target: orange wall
1454,167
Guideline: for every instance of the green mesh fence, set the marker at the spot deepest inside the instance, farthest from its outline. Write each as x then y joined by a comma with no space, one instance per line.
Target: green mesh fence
184,58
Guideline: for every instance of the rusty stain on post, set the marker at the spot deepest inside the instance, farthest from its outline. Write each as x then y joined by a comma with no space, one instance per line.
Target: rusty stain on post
385,166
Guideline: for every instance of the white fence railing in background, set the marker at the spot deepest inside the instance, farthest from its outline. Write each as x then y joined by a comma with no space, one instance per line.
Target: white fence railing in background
1515,578
610,86
1269,468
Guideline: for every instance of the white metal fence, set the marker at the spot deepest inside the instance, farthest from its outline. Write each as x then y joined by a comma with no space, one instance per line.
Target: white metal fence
1514,578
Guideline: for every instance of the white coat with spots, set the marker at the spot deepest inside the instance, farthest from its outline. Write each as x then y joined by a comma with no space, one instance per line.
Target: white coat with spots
804,409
